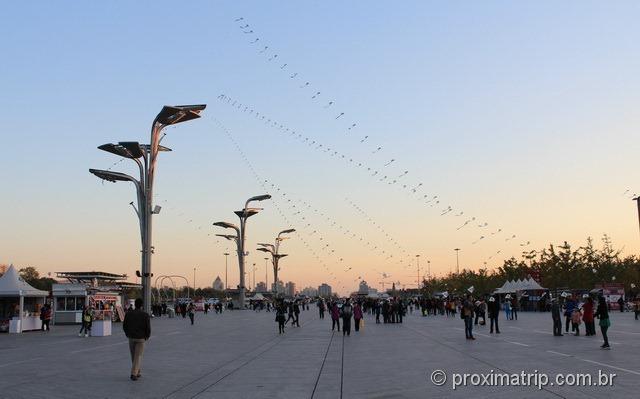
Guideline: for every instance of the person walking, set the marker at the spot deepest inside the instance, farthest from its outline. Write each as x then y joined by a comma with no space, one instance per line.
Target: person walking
587,317
87,321
335,316
602,313
621,304
557,320
137,328
45,316
494,312
346,313
191,309
280,319
569,306
467,314
296,314
637,307
576,319
321,308
507,308
357,316
376,309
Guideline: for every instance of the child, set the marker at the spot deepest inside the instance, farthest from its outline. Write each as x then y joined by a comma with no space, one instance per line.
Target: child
280,319
575,321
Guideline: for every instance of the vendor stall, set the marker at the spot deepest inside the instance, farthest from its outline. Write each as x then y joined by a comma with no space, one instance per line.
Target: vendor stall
20,303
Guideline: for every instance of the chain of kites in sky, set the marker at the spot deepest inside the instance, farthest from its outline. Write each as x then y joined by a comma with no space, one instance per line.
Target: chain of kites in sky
316,94
300,208
431,201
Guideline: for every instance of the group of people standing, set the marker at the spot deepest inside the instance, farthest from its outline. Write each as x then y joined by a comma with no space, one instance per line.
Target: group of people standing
575,314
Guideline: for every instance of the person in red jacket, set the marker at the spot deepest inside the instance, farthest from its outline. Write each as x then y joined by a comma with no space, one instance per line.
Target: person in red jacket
357,316
335,316
587,317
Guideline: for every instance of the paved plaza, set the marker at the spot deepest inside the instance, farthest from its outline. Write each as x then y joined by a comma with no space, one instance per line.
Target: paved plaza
240,355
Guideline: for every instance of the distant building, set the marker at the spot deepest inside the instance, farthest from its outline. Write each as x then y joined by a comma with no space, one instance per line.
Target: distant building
364,288
261,287
218,285
372,291
278,288
290,289
310,292
324,290
3,269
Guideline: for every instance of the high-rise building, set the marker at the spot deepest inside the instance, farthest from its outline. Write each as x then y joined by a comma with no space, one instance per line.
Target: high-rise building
290,289
324,290
278,288
364,288
218,285
309,291
261,287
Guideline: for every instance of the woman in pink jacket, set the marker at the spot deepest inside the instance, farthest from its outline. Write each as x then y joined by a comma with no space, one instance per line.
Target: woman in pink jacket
335,317
357,316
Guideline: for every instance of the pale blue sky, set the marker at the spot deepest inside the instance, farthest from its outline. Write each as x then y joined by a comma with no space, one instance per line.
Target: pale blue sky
523,115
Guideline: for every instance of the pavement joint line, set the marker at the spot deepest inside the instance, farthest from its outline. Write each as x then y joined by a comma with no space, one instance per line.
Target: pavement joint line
227,363
342,366
322,366
21,361
517,343
609,365
464,353
560,353
93,348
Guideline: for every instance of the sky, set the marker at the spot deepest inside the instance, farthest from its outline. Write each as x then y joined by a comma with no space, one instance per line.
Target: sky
521,116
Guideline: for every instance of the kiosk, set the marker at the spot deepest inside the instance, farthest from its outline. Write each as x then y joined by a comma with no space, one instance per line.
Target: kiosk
20,303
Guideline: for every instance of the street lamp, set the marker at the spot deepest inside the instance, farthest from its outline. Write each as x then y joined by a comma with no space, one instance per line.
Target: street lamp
457,260
226,263
418,263
169,115
243,214
275,255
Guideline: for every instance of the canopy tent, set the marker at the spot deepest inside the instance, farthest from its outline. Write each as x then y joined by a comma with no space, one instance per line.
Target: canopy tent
258,297
13,286
513,286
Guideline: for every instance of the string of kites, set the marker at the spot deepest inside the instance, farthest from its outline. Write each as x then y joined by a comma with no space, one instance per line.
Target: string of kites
297,207
425,199
271,55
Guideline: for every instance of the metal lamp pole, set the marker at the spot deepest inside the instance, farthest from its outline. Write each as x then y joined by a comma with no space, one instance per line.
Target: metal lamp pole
418,262
275,255
243,214
169,115
226,275
457,261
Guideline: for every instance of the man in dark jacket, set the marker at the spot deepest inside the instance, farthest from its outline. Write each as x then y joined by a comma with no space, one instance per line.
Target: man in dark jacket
555,315
494,311
137,327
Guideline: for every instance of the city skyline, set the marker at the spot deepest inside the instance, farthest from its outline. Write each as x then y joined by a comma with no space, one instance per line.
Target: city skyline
520,118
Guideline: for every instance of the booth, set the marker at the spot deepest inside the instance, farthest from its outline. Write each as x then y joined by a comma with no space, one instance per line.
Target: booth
20,303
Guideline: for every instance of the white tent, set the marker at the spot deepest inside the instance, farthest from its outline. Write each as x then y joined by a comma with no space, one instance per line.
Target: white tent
519,285
13,286
258,297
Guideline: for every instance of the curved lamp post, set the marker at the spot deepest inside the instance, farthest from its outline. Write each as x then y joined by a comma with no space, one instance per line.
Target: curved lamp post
239,238
146,156
275,255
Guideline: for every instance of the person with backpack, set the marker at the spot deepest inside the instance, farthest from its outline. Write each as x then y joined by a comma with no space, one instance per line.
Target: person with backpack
346,313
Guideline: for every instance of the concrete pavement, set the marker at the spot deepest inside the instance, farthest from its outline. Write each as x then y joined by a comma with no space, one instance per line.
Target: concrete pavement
240,355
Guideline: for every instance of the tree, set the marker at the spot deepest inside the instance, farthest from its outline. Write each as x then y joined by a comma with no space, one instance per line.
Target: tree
29,274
